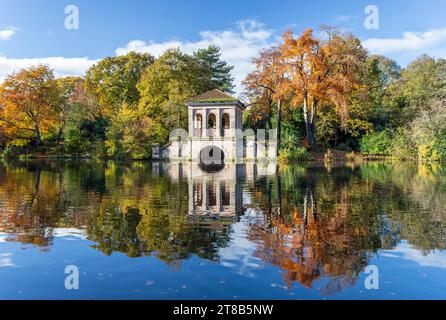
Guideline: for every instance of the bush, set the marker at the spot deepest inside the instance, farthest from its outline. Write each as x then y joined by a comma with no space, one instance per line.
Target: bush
440,146
9,152
294,155
427,152
377,143
432,151
404,146
428,131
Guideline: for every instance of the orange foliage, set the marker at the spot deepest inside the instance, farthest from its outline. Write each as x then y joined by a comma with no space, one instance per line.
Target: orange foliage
308,71
29,101
312,245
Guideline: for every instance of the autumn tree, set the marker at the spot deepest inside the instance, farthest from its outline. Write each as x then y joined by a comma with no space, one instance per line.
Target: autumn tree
113,80
322,70
218,70
30,99
267,85
368,110
3,138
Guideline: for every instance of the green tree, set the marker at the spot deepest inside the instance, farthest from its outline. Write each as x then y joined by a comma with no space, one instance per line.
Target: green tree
166,86
219,70
423,80
113,80
380,75
131,134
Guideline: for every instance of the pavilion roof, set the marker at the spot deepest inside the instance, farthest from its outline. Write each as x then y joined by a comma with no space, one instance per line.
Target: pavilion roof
215,97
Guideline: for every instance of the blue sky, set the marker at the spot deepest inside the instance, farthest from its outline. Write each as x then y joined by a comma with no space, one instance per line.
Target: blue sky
33,31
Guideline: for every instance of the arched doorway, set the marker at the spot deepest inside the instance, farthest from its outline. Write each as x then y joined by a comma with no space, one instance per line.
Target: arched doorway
212,125
212,159
199,125
225,125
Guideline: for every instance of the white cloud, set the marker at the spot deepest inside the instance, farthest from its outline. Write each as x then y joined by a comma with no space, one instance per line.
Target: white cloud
434,259
70,233
5,260
433,40
62,66
7,33
238,45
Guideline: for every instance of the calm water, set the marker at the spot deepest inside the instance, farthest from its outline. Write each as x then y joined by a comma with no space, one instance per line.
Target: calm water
164,231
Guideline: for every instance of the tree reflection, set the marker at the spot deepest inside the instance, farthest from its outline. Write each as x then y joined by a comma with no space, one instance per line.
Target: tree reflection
314,224
330,233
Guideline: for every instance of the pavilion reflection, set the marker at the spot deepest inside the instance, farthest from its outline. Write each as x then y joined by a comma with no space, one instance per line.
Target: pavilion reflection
217,195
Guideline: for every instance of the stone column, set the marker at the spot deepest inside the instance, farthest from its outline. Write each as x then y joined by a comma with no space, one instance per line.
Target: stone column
233,122
156,151
192,200
155,169
205,114
218,195
192,122
218,124
205,196
232,195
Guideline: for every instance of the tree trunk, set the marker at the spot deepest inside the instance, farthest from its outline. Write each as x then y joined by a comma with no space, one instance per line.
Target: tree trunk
279,194
37,134
270,123
311,131
307,124
310,123
279,123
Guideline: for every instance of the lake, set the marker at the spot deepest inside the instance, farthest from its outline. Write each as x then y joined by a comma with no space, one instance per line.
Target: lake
145,230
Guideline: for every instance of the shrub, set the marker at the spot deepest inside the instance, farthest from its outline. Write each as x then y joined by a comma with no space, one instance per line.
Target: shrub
294,155
404,146
377,143
427,152
10,152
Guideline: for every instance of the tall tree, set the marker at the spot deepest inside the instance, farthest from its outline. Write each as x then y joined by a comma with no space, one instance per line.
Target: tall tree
219,70
381,73
113,80
267,85
166,85
322,70
421,81
66,107
30,99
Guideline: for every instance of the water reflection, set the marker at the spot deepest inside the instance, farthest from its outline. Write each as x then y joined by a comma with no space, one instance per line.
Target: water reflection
312,224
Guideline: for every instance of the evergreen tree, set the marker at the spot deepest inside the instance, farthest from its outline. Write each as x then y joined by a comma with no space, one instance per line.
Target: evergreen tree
219,70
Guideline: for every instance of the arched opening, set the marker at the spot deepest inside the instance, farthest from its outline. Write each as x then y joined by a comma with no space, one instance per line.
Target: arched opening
199,125
212,159
225,125
198,194
212,195
212,124
225,195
